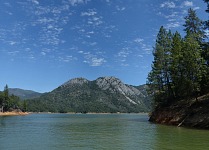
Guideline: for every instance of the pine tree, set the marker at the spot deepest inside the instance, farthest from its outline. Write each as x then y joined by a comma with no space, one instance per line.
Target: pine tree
6,100
177,65
194,26
159,77
192,66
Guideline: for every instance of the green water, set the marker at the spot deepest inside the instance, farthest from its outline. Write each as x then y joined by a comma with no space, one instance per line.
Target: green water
95,132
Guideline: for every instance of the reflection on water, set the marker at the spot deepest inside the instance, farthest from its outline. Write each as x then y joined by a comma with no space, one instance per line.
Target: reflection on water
95,131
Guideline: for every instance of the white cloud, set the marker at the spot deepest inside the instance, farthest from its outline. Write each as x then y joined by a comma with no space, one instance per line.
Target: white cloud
138,40
120,8
97,61
92,59
188,3
76,2
168,4
173,15
43,53
90,12
196,8
35,2
93,43
123,53
67,58
12,42
173,25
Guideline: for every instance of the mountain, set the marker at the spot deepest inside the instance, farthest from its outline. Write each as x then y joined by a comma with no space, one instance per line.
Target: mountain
105,94
24,94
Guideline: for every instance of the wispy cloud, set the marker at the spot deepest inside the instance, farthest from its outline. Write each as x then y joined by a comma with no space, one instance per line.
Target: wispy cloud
76,2
175,17
93,60
173,25
90,12
96,61
168,4
67,58
123,56
187,4
118,8
35,2
138,40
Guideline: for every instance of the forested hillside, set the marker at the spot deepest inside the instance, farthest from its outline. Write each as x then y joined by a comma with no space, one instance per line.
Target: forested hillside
106,94
24,94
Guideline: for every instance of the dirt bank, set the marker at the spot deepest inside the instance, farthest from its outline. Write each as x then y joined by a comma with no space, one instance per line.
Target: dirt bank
192,113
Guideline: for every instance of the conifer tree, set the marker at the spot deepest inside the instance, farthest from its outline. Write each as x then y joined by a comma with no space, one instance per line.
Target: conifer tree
6,100
194,26
159,77
176,67
192,66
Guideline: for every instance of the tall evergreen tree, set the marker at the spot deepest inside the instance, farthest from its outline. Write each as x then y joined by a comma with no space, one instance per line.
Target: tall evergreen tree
192,66
6,100
176,67
159,77
194,26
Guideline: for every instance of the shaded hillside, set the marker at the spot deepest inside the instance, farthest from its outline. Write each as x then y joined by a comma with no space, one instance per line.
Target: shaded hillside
106,94
24,94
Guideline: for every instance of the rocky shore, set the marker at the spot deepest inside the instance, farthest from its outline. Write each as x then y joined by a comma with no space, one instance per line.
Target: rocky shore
193,113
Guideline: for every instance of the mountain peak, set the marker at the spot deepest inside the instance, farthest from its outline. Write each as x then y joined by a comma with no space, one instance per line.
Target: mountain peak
79,81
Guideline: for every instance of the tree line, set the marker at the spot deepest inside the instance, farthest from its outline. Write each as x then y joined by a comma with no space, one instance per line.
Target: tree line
180,69
11,102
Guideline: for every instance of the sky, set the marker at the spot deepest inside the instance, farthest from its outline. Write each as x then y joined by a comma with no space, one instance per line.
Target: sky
44,43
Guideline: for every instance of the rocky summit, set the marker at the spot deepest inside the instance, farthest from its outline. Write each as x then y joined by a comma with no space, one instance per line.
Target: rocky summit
105,94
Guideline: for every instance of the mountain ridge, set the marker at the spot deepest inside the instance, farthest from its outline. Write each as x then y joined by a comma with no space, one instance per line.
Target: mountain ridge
105,94
24,94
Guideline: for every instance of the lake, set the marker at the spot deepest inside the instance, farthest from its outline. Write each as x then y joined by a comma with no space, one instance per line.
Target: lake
95,132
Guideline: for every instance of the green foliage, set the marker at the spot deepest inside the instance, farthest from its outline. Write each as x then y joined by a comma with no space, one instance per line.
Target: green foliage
8,102
24,94
159,79
193,25
179,70
85,98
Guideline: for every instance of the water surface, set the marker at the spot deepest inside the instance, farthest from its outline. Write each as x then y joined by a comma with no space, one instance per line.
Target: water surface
95,131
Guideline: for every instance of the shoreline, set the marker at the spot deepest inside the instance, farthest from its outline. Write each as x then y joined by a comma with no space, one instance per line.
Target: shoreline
13,113
85,113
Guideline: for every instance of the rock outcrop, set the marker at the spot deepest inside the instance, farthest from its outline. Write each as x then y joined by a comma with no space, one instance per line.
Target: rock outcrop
192,113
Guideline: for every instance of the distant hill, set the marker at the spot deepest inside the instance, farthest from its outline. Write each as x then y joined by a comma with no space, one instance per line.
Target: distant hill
24,94
105,94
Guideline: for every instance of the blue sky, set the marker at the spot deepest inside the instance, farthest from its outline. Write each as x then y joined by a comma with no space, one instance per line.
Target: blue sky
44,43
